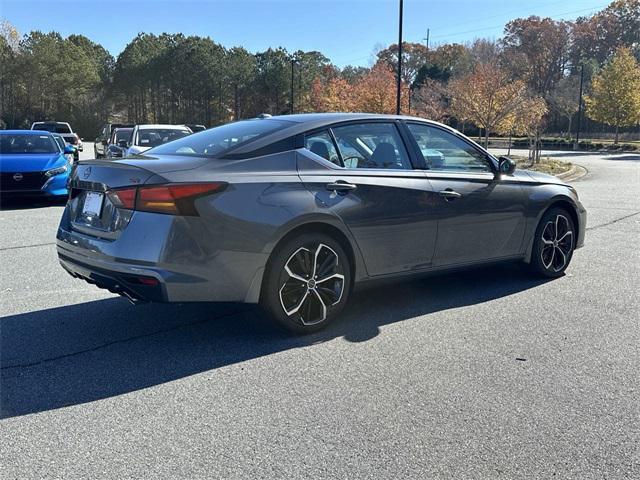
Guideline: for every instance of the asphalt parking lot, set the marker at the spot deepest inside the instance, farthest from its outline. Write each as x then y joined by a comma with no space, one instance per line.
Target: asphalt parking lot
483,374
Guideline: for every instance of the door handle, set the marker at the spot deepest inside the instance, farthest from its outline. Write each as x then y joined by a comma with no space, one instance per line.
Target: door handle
341,186
449,194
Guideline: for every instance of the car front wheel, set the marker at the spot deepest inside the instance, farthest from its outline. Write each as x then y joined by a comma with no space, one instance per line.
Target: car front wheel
307,283
554,243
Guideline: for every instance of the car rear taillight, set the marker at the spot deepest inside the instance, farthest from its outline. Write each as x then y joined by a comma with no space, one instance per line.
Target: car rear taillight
172,199
124,197
75,139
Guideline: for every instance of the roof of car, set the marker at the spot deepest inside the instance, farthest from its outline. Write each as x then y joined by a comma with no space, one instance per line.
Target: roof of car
148,126
338,116
25,132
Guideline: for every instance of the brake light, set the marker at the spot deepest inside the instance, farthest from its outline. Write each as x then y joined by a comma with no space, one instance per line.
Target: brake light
172,199
124,197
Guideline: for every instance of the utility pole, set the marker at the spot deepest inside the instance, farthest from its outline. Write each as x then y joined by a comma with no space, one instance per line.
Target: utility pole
579,107
292,65
427,39
399,92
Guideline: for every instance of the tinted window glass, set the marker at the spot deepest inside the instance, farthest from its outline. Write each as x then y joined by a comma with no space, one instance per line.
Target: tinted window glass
152,137
20,143
321,144
445,151
216,141
53,127
371,145
121,134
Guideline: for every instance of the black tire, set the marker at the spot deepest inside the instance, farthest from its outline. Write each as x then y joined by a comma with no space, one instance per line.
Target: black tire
554,243
297,303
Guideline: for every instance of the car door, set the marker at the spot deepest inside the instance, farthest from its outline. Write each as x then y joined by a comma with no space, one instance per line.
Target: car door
481,215
362,172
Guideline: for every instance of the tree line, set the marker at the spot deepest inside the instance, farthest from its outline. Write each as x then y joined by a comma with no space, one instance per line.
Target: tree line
523,84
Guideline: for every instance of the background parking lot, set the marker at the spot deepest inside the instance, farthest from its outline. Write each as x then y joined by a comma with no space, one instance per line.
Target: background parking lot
482,374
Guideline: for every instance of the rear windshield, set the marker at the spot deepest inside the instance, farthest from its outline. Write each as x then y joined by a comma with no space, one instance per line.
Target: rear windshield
216,141
53,127
152,137
21,143
121,134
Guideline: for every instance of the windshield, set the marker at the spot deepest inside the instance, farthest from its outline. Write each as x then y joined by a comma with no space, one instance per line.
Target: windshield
152,137
53,127
21,143
121,134
220,139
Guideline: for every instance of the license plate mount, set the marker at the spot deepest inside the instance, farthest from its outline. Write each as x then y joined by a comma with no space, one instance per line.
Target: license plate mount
93,204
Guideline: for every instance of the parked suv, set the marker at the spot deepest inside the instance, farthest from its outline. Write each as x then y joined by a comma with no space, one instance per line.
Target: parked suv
102,140
64,129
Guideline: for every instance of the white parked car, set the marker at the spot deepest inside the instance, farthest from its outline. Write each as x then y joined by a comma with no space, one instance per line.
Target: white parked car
148,136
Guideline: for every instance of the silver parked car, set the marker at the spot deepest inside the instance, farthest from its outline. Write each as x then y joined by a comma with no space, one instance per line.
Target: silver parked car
294,211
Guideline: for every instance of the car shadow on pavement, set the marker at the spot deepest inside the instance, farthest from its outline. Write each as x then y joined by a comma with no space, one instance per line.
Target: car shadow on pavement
22,203
96,350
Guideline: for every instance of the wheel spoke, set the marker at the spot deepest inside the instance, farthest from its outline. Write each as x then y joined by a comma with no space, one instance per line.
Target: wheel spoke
296,308
564,259
549,263
293,275
567,233
331,277
545,238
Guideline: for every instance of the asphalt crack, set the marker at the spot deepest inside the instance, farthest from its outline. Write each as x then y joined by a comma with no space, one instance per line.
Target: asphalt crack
616,220
27,246
115,342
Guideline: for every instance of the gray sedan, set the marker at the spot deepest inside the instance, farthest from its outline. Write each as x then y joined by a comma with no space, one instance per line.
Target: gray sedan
295,211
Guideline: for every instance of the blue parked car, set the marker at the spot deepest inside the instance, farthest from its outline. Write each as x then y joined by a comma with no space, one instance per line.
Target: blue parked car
33,164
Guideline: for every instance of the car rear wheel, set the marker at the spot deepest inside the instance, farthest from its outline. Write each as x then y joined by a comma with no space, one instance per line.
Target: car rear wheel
307,283
554,243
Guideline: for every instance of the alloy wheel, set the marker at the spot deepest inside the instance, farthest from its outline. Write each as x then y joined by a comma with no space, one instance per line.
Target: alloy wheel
313,282
557,243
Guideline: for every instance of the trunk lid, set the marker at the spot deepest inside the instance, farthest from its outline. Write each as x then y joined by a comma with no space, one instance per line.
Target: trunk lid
90,209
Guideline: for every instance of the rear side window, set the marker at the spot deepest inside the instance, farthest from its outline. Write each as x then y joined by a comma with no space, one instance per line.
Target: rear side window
372,145
217,141
322,145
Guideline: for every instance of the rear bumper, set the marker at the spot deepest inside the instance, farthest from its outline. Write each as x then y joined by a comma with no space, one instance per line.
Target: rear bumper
122,283
184,257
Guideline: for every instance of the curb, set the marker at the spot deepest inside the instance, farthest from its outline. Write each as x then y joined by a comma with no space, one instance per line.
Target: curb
576,172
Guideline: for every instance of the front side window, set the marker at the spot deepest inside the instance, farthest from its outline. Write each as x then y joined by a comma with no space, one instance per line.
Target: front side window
216,141
371,145
445,151
322,145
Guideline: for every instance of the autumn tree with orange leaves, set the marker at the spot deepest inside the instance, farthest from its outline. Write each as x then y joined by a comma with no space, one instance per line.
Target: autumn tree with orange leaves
373,92
489,98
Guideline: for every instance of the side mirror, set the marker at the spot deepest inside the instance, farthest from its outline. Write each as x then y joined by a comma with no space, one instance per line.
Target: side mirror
69,150
506,166
122,143
105,142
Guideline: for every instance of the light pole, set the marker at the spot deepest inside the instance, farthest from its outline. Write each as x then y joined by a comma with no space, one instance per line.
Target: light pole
399,92
579,106
293,61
